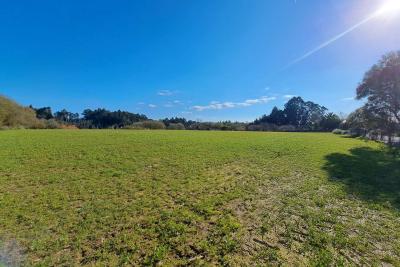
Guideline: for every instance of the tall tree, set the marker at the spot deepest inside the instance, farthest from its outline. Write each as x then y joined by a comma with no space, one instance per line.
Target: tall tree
381,87
304,115
66,116
43,113
277,117
102,118
330,122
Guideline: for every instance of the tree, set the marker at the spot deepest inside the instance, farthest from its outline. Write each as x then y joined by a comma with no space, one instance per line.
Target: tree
359,122
277,117
176,126
315,115
381,87
66,116
43,113
102,118
330,122
186,123
294,111
305,116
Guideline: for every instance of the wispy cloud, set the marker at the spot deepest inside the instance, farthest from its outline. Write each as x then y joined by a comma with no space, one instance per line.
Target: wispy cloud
215,105
152,106
348,99
174,103
165,93
289,96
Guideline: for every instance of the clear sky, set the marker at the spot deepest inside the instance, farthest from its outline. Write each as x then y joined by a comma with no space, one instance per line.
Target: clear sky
208,59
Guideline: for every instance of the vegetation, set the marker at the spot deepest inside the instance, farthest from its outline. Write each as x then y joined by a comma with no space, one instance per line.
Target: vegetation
176,126
102,118
149,125
110,198
298,115
380,116
13,115
176,120
43,113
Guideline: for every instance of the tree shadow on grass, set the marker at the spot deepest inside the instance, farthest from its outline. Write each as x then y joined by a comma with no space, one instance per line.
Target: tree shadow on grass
372,175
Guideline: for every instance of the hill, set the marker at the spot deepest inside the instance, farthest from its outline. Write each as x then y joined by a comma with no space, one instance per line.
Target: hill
13,115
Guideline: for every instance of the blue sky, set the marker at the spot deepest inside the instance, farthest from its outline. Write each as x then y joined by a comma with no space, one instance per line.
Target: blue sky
207,60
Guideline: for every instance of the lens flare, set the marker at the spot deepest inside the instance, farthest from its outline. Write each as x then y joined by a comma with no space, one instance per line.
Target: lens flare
390,7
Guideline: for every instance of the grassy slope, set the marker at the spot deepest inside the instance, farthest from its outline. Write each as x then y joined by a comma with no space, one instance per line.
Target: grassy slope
185,197
13,115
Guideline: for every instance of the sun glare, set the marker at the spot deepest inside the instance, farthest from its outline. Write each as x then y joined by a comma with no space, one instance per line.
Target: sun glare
390,7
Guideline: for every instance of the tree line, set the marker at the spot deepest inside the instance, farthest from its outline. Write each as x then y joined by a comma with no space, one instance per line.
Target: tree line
298,115
91,119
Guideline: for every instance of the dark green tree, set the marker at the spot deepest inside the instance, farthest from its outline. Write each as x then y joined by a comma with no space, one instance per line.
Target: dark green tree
381,87
330,122
304,115
66,116
43,113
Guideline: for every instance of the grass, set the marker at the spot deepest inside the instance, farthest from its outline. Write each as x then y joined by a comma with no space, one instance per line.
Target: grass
197,198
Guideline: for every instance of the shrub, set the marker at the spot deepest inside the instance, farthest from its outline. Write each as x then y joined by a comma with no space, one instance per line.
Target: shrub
51,124
13,115
68,127
201,126
176,126
355,133
341,131
151,125
337,131
262,127
287,128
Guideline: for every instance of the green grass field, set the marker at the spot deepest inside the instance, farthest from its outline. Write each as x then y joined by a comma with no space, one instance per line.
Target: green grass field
172,198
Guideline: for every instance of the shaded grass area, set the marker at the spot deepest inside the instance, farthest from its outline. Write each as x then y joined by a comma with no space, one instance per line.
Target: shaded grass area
370,174
197,198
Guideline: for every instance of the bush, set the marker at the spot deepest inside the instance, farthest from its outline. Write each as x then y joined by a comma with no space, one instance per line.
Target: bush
176,126
271,127
203,126
68,127
13,115
341,131
262,127
51,124
287,128
354,133
337,131
150,125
